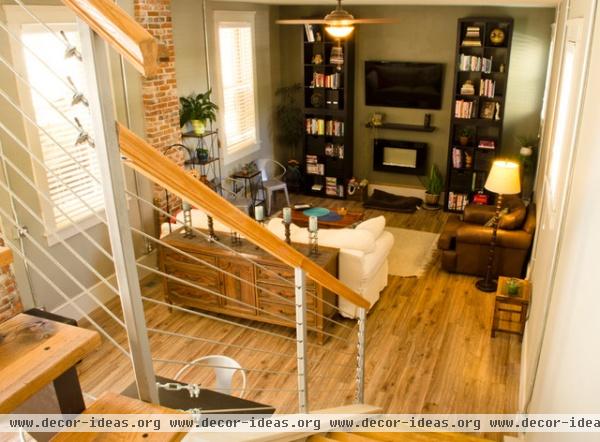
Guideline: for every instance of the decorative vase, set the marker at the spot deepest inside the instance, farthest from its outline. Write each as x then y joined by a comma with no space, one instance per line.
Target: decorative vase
512,286
463,140
431,199
198,127
202,155
526,151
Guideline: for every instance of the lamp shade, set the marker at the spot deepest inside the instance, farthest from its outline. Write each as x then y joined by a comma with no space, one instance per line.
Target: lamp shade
504,178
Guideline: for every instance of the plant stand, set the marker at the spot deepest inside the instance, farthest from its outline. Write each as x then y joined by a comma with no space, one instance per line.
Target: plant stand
209,168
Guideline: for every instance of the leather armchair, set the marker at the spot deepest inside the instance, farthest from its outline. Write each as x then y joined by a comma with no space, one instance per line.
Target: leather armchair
465,243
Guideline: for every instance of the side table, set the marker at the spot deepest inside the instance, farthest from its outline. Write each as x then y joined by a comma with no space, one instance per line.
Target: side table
253,185
507,306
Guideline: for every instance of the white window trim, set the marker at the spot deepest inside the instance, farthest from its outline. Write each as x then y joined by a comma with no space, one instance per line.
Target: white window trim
16,17
235,153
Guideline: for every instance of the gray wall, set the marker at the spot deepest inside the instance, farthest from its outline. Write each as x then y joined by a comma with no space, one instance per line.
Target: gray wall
191,63
428,34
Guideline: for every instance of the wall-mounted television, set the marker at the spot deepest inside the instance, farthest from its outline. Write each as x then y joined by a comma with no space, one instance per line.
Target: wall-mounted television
404,84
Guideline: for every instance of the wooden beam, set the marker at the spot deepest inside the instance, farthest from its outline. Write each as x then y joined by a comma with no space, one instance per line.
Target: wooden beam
158,168
6,256
121,31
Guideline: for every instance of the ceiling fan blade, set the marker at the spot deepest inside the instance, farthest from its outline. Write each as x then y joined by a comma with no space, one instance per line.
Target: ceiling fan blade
301,21
374,21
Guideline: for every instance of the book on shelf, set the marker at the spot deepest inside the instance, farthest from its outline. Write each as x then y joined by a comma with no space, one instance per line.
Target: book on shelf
481,199
486,144
331,81
334,150
463,109
457,201
472,36
318,126
317,187
487,88
331,186
475,64
340,190
457,162
310,32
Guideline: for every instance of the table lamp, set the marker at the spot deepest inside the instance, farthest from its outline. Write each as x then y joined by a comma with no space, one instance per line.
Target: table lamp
503,179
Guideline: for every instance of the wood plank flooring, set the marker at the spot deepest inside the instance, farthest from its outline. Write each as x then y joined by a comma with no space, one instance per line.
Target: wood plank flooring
428,346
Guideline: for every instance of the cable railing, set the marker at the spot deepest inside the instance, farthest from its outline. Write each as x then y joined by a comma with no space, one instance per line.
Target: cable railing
280,361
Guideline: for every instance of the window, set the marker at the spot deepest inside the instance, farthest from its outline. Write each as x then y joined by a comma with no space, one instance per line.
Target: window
237,82
67,170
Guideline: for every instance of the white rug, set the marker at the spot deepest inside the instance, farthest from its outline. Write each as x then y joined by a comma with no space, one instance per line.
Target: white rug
412,251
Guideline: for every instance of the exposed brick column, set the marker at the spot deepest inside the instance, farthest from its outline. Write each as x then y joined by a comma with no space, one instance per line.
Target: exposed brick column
10,303
161,102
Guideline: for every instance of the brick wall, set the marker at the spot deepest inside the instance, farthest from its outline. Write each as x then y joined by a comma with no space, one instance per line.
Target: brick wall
160,98
10,303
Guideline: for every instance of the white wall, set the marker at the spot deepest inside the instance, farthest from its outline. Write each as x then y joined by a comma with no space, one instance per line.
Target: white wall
567,375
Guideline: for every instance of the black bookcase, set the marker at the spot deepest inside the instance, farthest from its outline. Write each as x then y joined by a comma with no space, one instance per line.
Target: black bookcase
475,138
328,113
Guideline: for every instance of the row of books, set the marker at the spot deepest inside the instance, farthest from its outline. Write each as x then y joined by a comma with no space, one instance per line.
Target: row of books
486,144
474,63
472,36
310,33
313,167
463,109
319,126
457,201
331,81
332,188
487,88
334,150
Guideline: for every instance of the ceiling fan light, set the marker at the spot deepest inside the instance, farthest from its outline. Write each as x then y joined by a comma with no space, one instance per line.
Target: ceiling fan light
339,31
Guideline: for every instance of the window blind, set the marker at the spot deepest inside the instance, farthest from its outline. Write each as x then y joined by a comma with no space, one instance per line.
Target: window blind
67,170
237,83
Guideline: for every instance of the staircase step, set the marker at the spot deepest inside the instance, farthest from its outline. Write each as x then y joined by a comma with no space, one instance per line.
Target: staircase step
113,403
421,437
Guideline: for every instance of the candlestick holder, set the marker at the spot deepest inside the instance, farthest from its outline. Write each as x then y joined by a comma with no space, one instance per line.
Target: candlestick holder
188,232
236,240
287,232
211,230
313,242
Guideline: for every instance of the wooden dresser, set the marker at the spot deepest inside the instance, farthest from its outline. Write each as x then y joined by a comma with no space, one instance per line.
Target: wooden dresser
258,304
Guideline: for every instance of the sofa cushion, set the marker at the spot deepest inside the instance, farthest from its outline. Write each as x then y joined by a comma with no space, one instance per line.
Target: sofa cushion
362,240
515,217
373,225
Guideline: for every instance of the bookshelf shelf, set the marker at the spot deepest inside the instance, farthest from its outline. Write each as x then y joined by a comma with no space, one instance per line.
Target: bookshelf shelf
328,114
400,126
486,66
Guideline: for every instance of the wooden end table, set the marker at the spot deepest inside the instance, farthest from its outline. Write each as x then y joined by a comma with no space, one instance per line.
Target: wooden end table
301,220
508,306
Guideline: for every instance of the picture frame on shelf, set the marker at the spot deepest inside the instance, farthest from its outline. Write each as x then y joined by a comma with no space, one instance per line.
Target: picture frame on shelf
488,110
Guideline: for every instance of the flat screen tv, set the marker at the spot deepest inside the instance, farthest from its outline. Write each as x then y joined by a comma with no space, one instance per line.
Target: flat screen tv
404,84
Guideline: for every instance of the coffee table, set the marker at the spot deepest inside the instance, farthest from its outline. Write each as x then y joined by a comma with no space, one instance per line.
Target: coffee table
300,219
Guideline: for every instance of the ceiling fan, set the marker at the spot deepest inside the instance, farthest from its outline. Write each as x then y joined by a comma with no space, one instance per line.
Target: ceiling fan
339,23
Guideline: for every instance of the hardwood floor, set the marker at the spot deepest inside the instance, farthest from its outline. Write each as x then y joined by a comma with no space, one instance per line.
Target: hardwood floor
428,346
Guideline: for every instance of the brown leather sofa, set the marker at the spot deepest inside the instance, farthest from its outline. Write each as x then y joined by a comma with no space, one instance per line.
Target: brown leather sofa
465,243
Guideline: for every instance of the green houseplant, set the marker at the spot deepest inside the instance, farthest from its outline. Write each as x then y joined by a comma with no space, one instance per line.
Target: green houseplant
289,122
433,185
465,135
197,109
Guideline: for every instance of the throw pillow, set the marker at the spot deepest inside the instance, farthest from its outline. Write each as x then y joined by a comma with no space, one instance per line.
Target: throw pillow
373,225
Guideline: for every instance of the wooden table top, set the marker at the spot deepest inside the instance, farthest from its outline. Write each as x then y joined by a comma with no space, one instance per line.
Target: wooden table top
300,219
113,403
34,352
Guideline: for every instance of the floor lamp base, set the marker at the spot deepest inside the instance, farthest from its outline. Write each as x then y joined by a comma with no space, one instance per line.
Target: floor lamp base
487,286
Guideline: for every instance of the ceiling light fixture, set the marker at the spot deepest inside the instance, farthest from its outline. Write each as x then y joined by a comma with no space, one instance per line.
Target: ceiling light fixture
339,23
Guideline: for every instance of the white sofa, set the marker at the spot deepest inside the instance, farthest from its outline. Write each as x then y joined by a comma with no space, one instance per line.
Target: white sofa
363,258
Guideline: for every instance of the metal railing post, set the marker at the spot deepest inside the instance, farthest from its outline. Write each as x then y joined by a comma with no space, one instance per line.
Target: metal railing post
360,356
109,160
301,336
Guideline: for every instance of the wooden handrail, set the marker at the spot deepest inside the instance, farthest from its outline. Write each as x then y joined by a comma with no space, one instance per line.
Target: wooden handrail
121,31
6,256
158,168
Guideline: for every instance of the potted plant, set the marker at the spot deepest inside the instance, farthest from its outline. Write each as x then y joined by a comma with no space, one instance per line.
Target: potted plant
202,154
289,121
528,158
433,186
197,109
465,135
528,144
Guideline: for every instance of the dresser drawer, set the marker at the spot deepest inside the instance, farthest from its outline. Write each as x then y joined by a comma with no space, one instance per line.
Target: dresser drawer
273,275
270,304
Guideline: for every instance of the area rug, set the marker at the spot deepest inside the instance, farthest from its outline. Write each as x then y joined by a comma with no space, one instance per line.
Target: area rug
412,251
